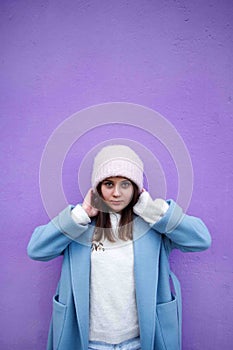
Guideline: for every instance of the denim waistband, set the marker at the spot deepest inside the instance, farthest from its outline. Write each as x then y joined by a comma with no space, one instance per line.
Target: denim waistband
130,344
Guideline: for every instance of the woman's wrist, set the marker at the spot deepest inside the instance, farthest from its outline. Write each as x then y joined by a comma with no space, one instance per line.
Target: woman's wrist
80,215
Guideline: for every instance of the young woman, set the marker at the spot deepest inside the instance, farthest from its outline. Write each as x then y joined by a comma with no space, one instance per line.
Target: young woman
114,291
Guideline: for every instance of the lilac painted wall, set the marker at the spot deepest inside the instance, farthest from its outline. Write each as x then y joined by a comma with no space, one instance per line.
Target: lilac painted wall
58,57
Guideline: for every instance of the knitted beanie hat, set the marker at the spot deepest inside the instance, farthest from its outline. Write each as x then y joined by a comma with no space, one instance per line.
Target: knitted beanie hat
117,160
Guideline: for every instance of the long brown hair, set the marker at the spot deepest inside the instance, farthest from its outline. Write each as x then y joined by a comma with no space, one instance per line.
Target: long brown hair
103,227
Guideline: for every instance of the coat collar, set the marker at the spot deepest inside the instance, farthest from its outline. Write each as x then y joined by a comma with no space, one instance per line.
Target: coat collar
146,257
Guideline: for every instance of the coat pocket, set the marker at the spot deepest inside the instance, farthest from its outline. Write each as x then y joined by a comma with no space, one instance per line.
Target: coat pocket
167,326
59,315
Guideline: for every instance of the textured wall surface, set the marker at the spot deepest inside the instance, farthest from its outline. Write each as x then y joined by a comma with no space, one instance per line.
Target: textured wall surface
58,57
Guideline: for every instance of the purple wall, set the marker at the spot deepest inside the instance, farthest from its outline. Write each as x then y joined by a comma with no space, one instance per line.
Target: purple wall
60,57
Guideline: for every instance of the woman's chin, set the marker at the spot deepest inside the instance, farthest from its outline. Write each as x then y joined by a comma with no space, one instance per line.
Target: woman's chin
116,207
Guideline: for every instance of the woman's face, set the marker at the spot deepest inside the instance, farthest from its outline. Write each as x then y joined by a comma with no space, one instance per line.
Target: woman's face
117,192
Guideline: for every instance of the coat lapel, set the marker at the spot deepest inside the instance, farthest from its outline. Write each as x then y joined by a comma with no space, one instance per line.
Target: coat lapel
146,258
80,255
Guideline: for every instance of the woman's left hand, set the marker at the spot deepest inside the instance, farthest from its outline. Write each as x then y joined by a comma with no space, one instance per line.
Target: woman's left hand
150,210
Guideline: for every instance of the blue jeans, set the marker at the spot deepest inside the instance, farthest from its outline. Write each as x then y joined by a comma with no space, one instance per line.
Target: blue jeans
130,344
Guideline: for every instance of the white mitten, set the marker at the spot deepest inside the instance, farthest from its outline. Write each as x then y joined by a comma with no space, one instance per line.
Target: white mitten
150,210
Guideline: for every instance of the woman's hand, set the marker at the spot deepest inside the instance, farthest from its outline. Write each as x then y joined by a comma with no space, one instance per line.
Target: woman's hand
88,204
150,210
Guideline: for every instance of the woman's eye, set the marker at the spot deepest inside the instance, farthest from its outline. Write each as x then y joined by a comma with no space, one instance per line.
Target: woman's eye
126,184
108,184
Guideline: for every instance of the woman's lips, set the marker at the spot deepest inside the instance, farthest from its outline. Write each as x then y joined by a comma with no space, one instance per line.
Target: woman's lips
116,202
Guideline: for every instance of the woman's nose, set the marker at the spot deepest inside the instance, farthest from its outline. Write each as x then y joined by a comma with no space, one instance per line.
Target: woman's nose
116,191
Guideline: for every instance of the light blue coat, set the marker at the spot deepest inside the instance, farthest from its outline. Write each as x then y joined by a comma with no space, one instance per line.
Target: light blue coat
159,310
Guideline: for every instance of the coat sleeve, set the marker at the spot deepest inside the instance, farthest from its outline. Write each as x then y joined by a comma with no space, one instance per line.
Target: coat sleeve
49,241
184,232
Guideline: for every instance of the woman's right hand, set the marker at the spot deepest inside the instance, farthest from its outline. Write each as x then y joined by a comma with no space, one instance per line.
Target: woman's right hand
87,204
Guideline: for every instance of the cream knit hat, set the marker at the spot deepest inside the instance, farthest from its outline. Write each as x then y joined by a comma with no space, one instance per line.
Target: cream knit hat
117,160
